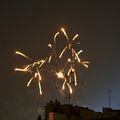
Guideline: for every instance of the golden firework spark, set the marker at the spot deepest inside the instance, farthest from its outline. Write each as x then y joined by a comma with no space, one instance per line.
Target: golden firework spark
19,53
51,55
55,37
64,32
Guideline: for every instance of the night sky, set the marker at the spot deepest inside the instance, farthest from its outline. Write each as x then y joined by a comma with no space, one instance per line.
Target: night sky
29,26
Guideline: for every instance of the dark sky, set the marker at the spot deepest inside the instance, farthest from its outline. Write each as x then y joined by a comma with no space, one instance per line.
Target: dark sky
29,26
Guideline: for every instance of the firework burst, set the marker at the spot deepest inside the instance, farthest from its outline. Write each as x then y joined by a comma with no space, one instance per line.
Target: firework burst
65,69
34,69
68,73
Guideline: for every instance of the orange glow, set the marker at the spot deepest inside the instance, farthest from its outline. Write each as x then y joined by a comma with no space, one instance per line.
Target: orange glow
60,75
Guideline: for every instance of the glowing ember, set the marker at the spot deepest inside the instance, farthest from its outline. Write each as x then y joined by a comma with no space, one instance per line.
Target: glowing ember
60,75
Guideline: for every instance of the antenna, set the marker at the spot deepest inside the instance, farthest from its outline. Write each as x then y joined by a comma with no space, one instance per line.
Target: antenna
109,98
68,97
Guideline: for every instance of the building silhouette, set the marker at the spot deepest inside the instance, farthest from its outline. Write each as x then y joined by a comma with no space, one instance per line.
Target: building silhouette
57,111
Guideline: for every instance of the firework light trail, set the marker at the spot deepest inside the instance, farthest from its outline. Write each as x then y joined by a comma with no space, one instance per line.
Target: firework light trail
34,69
67,71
